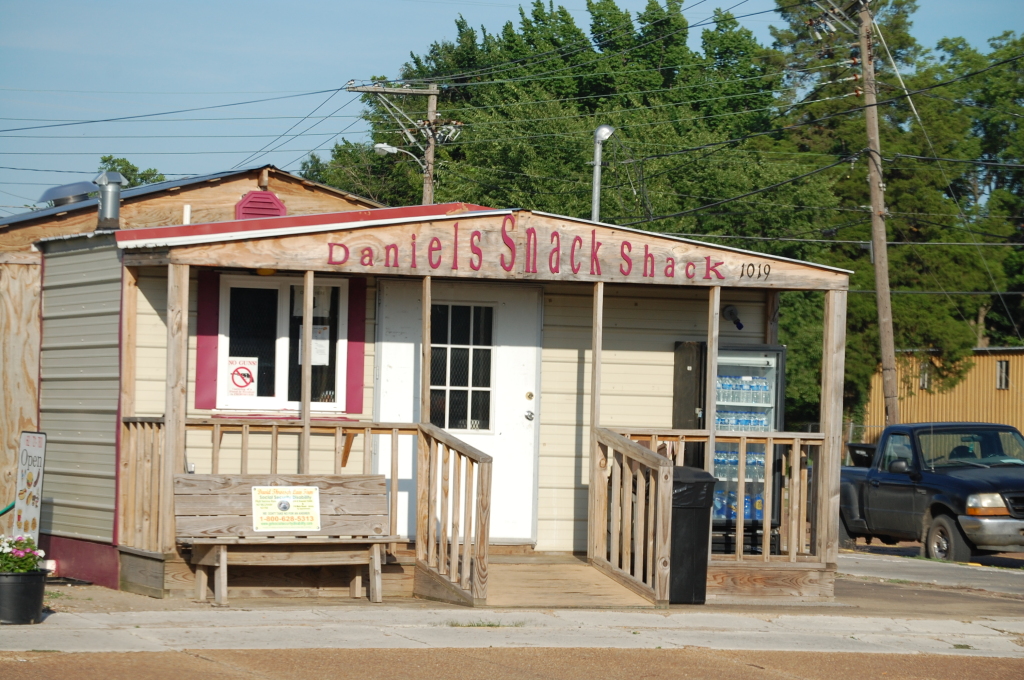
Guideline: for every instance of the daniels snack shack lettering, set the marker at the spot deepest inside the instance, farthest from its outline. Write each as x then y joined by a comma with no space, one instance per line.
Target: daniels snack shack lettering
542,249
285,508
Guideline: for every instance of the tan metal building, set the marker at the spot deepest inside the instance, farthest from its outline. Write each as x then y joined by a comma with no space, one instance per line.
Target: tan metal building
991,392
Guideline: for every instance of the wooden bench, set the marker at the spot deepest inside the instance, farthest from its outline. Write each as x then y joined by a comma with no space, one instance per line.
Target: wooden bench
213,515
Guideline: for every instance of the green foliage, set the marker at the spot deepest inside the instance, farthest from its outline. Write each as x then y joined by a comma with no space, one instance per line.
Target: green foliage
132,175
529,96
19,554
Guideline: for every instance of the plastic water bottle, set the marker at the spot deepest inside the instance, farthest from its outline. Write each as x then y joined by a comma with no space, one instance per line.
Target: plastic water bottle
758,507
719,511
747,507
730,508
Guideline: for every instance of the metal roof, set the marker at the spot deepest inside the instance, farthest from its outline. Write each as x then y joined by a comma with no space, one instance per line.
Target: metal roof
163,186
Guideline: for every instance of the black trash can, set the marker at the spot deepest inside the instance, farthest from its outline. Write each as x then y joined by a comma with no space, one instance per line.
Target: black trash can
693,493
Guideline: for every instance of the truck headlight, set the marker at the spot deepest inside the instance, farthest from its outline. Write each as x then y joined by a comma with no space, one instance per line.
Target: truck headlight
986,504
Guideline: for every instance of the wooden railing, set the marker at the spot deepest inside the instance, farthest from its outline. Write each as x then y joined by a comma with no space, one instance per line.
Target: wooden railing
342,432
802,508
453,485
140,480
453,518
635,503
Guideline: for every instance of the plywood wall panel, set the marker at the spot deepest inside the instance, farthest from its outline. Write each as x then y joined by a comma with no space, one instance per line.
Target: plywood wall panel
19,370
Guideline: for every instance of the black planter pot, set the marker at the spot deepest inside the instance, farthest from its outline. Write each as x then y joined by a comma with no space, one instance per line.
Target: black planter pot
21,597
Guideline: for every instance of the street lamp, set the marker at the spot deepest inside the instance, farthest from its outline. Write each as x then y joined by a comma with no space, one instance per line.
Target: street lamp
385,149
602,133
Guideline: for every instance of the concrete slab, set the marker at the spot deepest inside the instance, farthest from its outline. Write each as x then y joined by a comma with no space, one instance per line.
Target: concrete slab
910,570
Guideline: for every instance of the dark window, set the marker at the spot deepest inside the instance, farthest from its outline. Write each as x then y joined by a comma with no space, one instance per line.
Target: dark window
1003,375
924,380
460,366
324,371
253,332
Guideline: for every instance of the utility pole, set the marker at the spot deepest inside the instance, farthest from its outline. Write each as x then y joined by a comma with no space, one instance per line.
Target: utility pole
428,155
878,234
428,152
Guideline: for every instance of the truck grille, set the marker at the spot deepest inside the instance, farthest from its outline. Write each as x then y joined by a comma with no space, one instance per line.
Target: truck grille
1015,504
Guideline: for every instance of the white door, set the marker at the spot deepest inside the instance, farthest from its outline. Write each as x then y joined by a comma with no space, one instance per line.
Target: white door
484,388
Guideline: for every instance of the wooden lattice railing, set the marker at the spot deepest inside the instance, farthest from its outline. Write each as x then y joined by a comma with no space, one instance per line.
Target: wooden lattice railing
453,501
635,503
140,482
453,485
802,506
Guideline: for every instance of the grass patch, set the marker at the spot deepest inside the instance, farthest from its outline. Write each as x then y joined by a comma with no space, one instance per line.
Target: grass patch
485,624
55,593
962,647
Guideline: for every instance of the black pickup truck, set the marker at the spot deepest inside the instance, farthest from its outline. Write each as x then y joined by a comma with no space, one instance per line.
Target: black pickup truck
956,487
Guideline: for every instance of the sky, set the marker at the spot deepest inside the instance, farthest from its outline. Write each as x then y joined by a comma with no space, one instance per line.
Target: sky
69,61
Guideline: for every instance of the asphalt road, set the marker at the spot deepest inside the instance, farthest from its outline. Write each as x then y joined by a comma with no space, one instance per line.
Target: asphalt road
502,664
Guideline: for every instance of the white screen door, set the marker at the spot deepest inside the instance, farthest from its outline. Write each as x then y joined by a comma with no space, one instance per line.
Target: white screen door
484,388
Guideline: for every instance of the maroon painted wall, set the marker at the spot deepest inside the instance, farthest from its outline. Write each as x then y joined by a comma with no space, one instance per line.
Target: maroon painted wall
94,562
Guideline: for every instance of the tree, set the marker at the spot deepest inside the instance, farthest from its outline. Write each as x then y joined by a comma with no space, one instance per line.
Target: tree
697,127
131,173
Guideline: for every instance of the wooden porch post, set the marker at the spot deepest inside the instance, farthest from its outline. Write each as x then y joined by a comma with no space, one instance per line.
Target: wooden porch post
710,407
175,408
307,369
129,315
598,501
426,353
830,459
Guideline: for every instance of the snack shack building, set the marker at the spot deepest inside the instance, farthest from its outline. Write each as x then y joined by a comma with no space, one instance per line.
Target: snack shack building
483,394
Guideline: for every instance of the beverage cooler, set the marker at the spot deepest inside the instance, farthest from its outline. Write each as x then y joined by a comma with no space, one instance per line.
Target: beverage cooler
749,394
750,397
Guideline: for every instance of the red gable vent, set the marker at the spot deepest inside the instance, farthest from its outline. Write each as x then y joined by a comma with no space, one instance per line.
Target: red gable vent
257,204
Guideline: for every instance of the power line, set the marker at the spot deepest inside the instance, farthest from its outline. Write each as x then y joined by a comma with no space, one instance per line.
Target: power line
540,76
834,115
749,193
167,113
262,152
955,160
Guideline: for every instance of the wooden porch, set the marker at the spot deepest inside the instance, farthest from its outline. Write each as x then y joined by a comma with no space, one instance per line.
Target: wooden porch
628,470
629,496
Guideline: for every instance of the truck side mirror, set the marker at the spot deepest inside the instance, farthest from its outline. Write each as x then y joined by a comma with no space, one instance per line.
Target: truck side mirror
899,467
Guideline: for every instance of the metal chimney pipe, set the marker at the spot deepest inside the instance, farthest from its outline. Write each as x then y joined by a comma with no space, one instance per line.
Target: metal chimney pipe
110,200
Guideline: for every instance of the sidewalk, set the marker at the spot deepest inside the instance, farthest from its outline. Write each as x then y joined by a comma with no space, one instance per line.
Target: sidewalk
404,628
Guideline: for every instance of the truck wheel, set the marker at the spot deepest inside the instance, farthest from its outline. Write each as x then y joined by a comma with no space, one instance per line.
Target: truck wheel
946,541
846,542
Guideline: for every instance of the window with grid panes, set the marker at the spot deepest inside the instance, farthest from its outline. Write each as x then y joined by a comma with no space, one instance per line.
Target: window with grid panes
460,366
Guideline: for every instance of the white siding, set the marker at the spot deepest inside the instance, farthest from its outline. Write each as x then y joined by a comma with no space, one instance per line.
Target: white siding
640,332
79,389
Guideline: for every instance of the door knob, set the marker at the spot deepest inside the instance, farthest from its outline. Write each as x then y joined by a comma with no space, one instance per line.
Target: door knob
529,415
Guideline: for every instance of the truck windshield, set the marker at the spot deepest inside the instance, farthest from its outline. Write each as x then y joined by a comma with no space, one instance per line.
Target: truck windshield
971,447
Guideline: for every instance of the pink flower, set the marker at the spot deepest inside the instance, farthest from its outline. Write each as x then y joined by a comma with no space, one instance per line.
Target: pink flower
18,553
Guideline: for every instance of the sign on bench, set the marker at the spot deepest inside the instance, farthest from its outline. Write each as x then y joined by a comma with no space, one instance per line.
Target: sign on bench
281,520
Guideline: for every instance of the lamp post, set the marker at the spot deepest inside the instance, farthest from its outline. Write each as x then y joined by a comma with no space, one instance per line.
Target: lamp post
385,149
602,133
